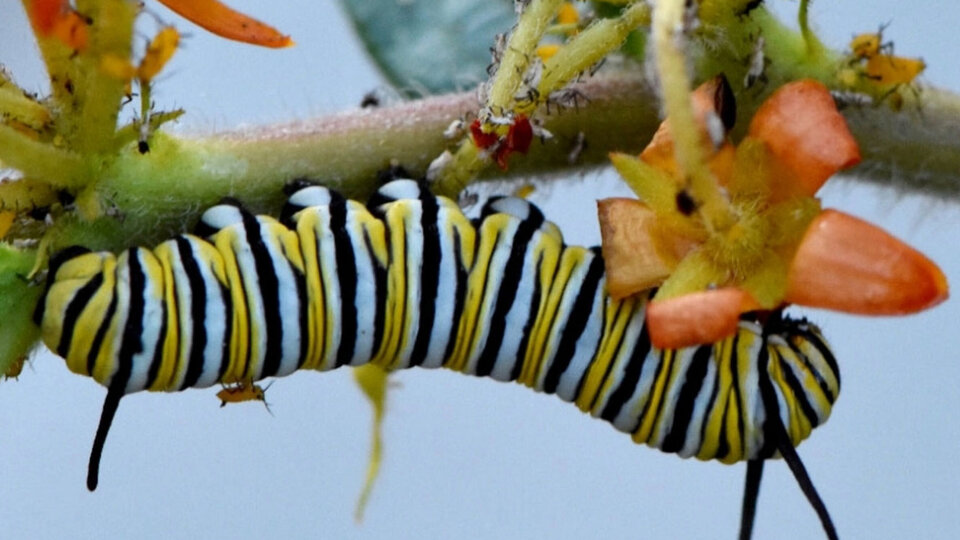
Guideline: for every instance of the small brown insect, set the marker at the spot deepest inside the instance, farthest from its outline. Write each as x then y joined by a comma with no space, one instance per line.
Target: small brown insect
15,368
370,99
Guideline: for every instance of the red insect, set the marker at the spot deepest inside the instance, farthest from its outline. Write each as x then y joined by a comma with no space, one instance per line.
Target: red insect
517,139
481,138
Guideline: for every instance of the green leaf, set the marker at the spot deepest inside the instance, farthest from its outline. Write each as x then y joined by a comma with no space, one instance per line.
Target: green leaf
17,301
431,45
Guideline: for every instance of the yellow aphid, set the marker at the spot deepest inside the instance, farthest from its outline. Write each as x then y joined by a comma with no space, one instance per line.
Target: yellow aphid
882,67
545,52
117,67
568,14
159,52
866,45
888,69
244,391
524,191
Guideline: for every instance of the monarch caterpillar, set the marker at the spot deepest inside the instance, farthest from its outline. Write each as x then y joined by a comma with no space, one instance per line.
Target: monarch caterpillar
408,280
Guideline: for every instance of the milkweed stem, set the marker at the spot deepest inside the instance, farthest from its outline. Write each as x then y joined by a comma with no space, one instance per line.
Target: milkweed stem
669,37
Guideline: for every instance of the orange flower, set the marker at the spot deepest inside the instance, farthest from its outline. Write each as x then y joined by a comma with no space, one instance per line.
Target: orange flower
57,18
225,22
778,248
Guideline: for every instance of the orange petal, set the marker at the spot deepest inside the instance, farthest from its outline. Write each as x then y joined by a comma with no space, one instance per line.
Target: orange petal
56,18
712,97
722,164
225,22
659,151
635,258
846,264
804,131
45,13
697,318
71,29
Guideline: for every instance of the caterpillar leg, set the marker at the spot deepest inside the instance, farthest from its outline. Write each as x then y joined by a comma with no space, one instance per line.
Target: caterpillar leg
751,491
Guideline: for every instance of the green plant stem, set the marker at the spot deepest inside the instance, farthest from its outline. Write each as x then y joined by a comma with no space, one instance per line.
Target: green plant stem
62,72
813,44
589,47
18,106
43,161
914,151
516,57
162,192
669,43
112,34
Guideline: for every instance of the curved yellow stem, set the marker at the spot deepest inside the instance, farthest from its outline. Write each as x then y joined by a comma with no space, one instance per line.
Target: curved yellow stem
669,38
519,51
589,47
372,380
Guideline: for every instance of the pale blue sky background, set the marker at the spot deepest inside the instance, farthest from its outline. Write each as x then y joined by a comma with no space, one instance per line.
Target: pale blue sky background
472,458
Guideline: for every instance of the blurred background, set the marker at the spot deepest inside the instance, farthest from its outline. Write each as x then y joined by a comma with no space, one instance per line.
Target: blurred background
467,457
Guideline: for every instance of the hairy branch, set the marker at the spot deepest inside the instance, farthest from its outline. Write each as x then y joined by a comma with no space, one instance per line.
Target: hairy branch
912,151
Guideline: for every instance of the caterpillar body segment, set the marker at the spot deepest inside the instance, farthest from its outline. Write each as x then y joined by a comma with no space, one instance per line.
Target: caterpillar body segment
408,280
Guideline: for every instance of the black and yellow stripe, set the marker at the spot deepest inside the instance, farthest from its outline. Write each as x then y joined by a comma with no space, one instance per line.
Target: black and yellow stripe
408,280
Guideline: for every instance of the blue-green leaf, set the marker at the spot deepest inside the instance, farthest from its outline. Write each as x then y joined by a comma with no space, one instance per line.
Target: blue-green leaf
430,45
